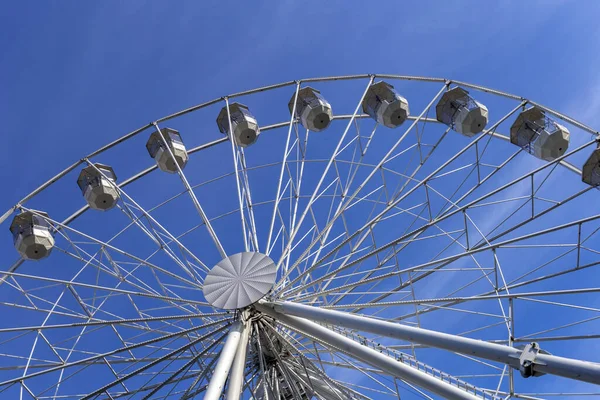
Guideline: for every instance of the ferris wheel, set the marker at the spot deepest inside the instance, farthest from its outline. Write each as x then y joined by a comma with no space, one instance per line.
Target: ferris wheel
349,237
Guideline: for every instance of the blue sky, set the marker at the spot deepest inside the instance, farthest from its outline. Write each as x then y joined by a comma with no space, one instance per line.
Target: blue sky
77,75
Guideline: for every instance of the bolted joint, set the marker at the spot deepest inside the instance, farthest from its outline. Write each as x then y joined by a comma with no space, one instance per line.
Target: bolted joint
527,360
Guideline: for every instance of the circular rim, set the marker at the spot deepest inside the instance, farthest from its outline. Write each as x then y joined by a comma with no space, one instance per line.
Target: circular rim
296,293
267,128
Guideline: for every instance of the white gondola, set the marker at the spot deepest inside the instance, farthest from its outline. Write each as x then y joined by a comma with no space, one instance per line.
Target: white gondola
461,112
312,109
385,105
32,235
590,173
158,151
324,249
243,124
97,186
539,135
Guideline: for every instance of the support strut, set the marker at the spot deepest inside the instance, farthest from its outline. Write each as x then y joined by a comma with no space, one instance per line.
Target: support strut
217,381
539,364
339,342
234,387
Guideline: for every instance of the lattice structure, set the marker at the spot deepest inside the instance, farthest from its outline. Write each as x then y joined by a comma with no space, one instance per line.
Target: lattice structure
358,263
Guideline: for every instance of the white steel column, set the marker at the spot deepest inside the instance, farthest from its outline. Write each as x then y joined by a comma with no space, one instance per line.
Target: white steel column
236,380
369,356
544,363
217,381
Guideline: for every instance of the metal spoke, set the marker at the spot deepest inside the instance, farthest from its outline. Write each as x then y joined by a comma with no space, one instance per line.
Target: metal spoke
189,189
413,261
326,170
153,221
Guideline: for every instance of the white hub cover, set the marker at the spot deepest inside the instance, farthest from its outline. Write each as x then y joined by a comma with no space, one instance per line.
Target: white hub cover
239,280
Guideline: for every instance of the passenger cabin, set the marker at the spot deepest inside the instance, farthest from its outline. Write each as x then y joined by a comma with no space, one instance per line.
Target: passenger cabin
244,127
97,184
385,105
312,109
164,158
591,169
539,135
32,235
461,112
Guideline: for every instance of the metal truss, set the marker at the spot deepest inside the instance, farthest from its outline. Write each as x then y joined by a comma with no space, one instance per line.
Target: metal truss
412,263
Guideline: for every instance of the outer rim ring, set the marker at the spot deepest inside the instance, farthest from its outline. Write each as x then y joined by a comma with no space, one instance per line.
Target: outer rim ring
209,144
142,173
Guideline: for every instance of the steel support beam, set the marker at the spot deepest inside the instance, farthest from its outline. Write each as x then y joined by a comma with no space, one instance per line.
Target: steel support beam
543,364
236,380
219,376
365,354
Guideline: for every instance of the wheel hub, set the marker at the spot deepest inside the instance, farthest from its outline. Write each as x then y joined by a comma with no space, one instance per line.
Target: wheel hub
239,280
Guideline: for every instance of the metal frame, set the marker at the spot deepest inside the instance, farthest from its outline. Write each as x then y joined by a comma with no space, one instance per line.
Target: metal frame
544,363
328,265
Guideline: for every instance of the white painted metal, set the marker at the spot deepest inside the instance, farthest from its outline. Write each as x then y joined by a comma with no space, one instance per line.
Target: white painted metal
385,105
236,380
461,112
166,159
120,251
313,110
244,200
98,186
570,368
350,198
199,208
353,274
591,169
155,237
328,166
551,145
221,371
450,212
236,121
283,163
239,280
368,355
32,235
539,134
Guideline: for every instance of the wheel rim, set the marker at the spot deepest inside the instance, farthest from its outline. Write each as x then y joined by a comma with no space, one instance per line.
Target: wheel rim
441,233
